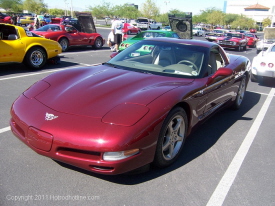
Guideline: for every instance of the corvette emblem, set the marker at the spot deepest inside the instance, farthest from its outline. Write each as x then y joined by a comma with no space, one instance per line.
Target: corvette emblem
50,117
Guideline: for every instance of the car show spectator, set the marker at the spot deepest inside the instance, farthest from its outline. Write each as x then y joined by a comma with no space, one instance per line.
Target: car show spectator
110,41
36,23
117,31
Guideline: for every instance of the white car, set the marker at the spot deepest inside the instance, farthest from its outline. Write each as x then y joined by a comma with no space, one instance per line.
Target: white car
263,65
198,31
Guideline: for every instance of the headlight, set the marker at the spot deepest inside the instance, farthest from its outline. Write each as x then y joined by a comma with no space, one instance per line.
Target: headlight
113,156
234,43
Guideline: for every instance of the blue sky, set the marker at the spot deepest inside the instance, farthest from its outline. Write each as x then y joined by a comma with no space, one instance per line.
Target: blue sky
194,6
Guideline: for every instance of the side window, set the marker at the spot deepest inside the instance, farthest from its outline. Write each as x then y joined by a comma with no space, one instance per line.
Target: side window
273,49
215,61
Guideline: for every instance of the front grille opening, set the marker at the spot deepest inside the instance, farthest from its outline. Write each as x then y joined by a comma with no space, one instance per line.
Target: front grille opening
76,153
101,168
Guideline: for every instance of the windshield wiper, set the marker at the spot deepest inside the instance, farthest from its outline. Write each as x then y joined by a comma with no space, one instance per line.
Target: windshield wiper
110,64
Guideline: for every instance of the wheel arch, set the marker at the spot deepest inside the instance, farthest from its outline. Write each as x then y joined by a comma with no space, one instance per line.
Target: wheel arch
38,46
187,109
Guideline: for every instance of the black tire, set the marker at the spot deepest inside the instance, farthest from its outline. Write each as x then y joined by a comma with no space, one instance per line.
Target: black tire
171,138
98,43
244,47
240,95
64,43
35,58
129,32
254,78
239,48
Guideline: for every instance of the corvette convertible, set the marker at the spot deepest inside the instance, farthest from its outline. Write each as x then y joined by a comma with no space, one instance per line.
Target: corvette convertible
20,46
263,65
147,34
134,110
68,35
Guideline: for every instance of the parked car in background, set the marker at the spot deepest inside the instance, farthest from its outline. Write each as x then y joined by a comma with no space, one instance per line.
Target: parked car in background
263,65
213,35
5,18
130,29
252,30
143,23
237,41
154,25
21,46
167,28
252,39
134,110
68,36
267,41
26,20
145,35
198,31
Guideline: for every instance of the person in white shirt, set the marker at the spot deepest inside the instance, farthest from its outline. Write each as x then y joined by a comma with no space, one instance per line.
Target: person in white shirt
117,31
110,41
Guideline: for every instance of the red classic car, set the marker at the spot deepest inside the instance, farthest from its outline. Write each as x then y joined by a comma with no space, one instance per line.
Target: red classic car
68,36
252,39
5,19
252,30
138,108
237,41
130,29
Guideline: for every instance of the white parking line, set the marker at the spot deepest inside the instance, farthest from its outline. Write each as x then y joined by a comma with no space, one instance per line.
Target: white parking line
5,129
229,176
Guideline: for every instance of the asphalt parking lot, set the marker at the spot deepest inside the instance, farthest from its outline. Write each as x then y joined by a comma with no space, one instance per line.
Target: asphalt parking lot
228,161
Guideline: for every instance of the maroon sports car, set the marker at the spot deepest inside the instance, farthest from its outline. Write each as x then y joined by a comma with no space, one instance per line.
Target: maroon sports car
134,110
68,36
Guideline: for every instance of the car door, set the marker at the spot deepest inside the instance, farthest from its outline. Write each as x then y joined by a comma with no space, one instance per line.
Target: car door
76,37
221,88
12,50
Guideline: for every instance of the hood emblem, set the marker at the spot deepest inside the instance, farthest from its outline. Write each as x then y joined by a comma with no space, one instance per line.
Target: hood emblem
50,117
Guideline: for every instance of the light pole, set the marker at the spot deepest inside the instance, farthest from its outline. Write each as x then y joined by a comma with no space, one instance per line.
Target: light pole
166,2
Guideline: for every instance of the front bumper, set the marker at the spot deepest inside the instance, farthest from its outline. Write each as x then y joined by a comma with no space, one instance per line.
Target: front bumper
264,72
72,140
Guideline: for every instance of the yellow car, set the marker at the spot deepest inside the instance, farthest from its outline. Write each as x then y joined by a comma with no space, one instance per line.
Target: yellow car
25,20
21,46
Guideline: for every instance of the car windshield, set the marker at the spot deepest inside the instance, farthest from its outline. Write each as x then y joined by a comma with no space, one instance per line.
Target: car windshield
49,27
162,58
249,35
218,31
152,34
234,35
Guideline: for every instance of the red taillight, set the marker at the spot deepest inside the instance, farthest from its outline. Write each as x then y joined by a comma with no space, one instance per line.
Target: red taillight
263,64
126,45
270,65
122,44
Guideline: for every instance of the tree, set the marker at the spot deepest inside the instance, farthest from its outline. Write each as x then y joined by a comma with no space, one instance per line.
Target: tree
102,10
150,9
56,12
242,22
215,18
126,11
266,22
11,5
229,18
35,6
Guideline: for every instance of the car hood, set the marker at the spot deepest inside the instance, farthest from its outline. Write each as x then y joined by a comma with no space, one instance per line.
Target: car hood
95,91
269,33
